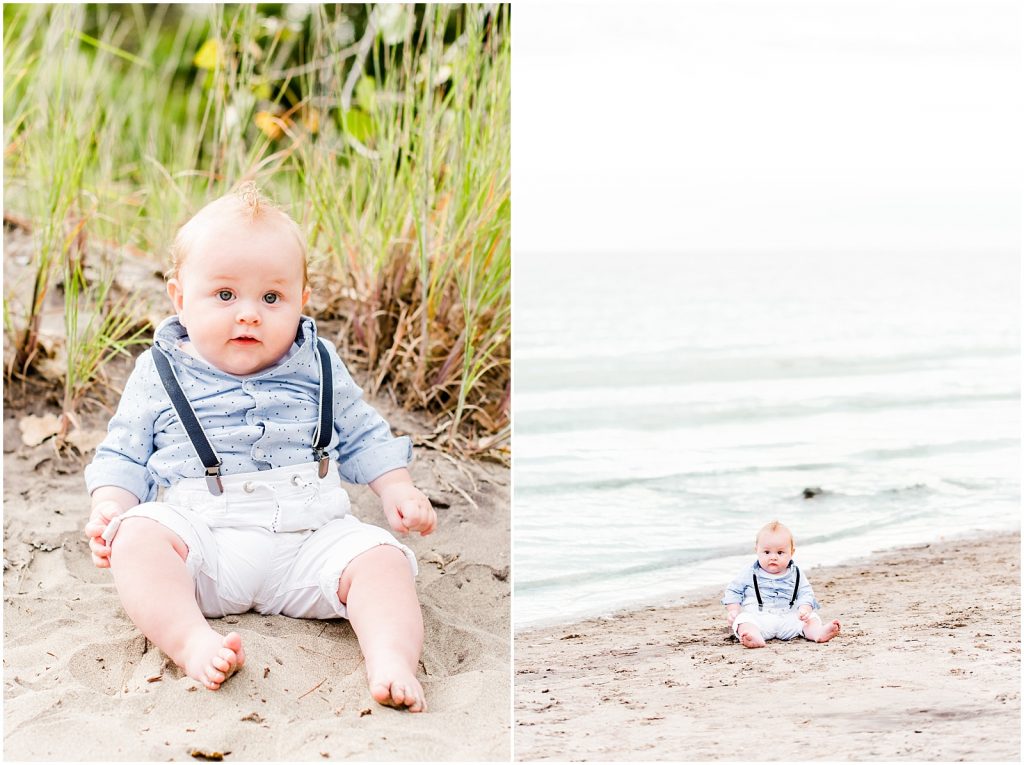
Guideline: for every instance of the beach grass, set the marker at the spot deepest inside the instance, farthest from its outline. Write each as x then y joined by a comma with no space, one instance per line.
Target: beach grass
384,130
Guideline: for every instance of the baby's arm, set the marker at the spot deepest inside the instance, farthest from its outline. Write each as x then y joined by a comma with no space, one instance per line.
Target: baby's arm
732,599
406,507
118,477
368,453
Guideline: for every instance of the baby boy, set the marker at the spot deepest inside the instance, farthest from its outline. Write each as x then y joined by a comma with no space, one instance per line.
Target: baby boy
248,422
772,598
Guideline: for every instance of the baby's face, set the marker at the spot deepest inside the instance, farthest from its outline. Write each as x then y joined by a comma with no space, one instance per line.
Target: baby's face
240,294
774,551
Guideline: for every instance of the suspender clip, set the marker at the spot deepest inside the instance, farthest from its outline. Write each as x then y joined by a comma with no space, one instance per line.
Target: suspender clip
325,427
324,460
213,482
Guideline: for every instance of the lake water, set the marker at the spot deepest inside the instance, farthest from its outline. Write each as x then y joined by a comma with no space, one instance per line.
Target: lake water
666,407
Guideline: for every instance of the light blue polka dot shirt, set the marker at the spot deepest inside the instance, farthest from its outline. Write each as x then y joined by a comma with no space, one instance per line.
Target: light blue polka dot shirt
257,422
776,589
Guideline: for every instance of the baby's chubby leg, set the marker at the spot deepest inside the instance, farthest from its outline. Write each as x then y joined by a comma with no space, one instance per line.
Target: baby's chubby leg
815,630
379,593
158,594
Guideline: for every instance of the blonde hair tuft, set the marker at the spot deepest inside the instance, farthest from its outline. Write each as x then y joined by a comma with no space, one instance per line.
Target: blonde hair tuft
245,202
771,527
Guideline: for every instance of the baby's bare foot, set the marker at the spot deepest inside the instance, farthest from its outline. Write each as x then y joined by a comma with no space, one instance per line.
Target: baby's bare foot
829,631
752,639
211,658
394,685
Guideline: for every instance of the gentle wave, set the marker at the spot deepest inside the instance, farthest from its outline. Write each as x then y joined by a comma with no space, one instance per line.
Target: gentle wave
564,372
564,485
656,417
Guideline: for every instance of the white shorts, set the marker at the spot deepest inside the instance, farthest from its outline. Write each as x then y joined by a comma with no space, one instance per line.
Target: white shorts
784,626
276,541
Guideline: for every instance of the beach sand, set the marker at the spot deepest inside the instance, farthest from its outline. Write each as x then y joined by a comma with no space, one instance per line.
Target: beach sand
81,683
927,668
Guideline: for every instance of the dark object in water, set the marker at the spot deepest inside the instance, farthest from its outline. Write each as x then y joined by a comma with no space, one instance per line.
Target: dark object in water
813,491
199,754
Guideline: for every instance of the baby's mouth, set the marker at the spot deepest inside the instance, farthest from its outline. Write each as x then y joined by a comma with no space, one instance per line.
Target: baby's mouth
244,340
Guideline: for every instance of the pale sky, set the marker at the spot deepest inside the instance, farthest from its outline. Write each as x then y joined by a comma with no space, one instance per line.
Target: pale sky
765,125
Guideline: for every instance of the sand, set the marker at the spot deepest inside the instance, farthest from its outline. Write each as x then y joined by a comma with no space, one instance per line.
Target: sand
81,683
927,668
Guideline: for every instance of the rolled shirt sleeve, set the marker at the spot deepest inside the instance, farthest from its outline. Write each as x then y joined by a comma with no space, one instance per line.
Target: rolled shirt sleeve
805,595
121,460
735,589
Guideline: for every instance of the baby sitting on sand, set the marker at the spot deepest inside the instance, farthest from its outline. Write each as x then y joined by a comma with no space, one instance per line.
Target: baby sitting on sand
249,421
771,598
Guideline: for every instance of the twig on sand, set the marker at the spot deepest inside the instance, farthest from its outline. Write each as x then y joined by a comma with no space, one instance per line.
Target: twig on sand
312,689
24,570
465,496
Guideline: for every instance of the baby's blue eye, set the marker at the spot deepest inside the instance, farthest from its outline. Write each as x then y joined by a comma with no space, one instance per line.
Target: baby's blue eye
225,295
270,297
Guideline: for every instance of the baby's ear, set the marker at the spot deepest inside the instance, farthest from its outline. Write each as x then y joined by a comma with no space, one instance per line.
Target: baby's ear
306,292
176,294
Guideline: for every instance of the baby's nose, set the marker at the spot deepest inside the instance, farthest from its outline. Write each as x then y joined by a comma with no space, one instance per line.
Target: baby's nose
248,314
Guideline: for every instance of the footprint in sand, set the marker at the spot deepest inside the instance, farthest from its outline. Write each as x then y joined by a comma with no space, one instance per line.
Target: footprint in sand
451,650
471,582
125,665
78,561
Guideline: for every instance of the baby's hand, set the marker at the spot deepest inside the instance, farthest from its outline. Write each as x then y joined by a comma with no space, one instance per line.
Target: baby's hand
408,509
805,615
99,519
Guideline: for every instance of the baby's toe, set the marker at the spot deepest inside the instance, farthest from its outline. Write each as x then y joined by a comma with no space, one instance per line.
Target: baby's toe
231,650
415,701
400,695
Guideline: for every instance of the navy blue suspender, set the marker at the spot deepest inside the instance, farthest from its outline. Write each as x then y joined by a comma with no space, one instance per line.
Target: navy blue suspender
324,428
200,442
792,600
